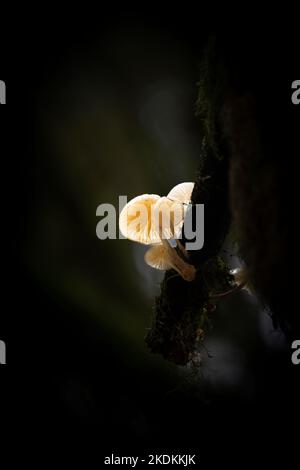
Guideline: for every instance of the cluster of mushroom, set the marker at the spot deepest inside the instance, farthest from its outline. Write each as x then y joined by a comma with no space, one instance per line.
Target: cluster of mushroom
153,220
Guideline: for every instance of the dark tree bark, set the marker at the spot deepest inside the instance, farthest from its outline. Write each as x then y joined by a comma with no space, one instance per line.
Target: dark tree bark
242,179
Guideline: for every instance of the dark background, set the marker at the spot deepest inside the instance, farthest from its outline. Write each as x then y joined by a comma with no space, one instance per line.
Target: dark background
96,109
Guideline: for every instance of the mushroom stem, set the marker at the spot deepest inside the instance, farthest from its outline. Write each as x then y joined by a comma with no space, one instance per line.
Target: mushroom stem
186,271
182,249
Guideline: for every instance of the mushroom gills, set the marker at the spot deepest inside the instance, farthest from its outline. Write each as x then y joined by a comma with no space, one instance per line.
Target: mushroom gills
165,257
136,221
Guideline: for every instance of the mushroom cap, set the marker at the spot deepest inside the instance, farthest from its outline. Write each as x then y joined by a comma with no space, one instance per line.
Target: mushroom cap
169,217
157,257
136,220
182,192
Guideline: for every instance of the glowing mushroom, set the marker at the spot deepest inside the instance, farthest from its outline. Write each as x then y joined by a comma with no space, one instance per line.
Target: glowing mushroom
157,257
182,192
168,218
170,210
152,220
169,213
136,220
165,257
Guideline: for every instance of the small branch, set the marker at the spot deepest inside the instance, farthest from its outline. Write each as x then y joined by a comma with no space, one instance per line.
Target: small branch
223,295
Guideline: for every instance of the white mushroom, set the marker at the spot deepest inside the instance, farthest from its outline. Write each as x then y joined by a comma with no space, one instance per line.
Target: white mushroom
152,220
136,220
157,257
169,213
168,218
165,257
182,192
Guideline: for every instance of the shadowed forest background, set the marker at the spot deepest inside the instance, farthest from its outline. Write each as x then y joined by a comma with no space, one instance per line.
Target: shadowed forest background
112,112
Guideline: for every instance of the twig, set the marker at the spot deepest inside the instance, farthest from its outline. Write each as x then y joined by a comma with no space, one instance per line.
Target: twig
223,295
